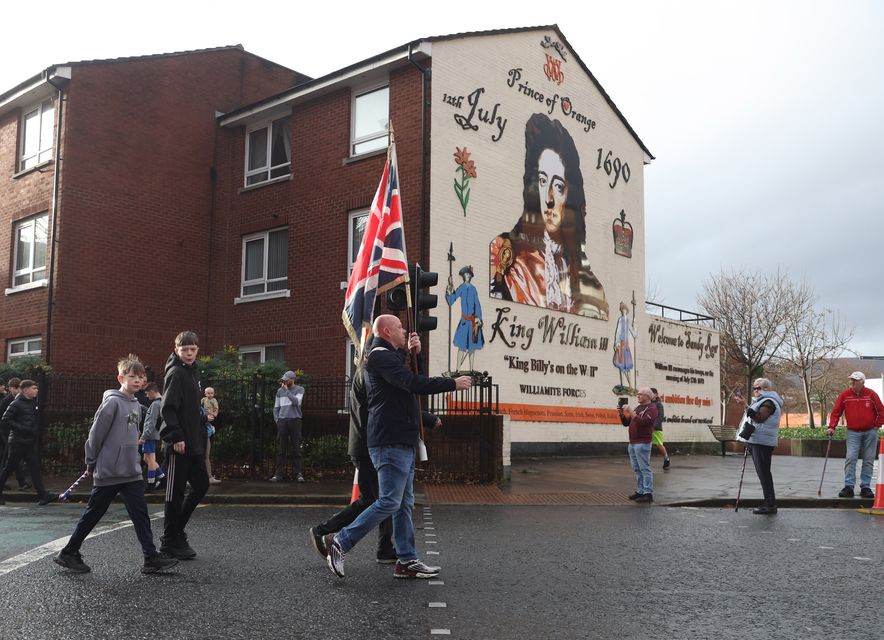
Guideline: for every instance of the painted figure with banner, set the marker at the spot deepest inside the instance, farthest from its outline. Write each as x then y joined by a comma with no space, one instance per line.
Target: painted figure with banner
468,337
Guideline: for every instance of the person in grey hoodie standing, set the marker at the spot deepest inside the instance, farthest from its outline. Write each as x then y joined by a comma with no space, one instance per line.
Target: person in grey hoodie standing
760,430
112,461
287,415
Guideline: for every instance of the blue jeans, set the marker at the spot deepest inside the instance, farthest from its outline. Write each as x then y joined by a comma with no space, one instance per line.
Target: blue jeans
395,466
640,457
861,444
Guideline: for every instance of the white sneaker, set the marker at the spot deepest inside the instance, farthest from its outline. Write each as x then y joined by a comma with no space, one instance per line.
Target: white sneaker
214,480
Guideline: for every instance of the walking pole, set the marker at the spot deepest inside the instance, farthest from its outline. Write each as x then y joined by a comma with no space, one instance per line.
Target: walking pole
64,496
740,488
828,447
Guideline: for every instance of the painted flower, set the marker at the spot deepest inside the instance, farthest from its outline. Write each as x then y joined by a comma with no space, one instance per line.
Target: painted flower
467,169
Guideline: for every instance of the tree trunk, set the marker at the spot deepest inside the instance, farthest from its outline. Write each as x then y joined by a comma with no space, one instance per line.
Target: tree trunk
805,385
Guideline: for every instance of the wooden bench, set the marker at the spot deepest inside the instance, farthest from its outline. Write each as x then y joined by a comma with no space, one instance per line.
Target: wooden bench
723,434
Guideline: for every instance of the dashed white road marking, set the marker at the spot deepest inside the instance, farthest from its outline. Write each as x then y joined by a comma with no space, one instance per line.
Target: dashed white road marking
53,547
827,548
437,605
440,632
430,541
430,535
435,582
432,553
860,558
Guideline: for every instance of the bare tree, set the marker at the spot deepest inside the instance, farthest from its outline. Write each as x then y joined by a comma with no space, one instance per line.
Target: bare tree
814,338
750,310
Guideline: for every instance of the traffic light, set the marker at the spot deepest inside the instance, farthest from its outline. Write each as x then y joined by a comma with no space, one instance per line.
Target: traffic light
396,298
423,302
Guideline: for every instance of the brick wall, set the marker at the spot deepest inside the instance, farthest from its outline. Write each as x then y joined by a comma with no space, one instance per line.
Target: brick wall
135,205
314,206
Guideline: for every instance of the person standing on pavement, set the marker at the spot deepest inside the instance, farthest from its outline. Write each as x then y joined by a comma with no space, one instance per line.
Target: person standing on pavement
864,413
641,425
393,433
657,435
184,432
760,431
287,415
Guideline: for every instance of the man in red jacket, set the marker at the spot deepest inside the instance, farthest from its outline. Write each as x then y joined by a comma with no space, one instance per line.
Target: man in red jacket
641,425
864,412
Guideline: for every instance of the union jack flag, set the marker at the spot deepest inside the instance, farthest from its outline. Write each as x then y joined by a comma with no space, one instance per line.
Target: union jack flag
381,263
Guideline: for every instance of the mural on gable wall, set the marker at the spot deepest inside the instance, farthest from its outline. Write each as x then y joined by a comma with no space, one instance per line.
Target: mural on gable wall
542,260
558,165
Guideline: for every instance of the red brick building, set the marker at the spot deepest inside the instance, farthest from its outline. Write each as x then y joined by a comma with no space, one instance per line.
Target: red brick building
107,201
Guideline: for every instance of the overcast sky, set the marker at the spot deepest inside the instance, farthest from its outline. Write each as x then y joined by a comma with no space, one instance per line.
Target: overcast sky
766,118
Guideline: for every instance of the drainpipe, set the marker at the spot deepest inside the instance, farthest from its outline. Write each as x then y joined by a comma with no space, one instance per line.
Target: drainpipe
59,83
424,227
425,211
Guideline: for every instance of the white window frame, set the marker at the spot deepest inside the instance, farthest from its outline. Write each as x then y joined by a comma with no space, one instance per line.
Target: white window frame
265,295
29,270
44,150
28,350
260,349
374,135
351,218
267,168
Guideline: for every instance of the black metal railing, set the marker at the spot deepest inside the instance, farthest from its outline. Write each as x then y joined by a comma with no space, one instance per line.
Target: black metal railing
683,314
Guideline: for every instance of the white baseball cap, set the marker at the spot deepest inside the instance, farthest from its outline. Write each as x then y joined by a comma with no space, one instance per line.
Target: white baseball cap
857,375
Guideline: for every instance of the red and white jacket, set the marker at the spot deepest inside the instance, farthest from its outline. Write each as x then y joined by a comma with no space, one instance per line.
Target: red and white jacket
862,411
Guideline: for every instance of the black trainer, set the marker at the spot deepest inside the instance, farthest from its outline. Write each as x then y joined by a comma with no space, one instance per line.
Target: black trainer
866,492
46,498
158,562
72,561
24,486
177,548
318,543
764,510
846,492
645,497
386,557
665,463
634,496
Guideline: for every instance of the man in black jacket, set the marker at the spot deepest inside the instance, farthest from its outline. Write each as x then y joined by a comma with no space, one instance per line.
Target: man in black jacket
23,424
184,433
393,432
357,448
14,389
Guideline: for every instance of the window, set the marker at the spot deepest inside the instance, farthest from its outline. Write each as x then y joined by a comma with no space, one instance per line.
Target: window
371,118
269,152
259,354
30,251
358,220
265,262
37,126
24,347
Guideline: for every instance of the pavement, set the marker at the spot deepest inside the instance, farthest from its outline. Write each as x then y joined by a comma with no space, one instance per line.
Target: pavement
692,480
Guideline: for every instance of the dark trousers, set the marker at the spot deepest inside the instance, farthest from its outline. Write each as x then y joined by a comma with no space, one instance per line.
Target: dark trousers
368,493
180,500
288,431
4,451
15,453
762,456
99,501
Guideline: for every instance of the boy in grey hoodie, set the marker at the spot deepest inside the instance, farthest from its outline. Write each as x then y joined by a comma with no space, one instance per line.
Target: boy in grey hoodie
112,461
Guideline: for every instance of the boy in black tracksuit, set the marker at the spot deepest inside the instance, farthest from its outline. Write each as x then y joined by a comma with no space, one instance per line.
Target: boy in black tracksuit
184,433
23,424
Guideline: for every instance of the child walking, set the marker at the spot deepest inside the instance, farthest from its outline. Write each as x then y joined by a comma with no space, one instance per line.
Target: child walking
211,408
150,438
112,461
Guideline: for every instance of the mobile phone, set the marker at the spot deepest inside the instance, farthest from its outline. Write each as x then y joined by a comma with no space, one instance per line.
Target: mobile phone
622,401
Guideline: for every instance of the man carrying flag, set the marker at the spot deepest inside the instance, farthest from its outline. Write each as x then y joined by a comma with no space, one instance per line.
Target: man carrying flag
393,428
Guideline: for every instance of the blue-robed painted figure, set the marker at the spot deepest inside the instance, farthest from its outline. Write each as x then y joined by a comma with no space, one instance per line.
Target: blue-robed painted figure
468,336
